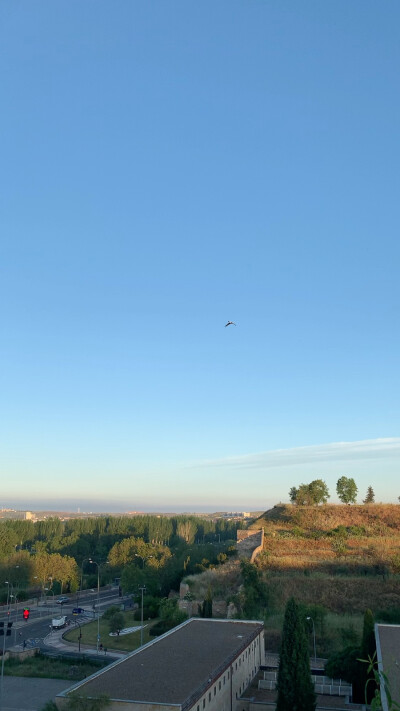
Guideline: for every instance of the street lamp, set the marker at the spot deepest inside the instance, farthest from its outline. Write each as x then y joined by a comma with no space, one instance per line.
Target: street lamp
80,635
315,649
52,592
142,588
144,558
83,563
98,601
16,615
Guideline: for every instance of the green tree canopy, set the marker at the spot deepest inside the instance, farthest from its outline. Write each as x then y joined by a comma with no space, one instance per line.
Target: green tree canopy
347,490
294,685
370,496
116,622
314,493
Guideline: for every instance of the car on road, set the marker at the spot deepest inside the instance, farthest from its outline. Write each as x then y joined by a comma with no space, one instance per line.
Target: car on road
62,600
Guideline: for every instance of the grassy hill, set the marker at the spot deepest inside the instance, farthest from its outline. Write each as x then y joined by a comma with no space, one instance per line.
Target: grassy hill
332,539
336,559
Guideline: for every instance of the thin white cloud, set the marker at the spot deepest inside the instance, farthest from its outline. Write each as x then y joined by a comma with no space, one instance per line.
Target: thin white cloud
383,448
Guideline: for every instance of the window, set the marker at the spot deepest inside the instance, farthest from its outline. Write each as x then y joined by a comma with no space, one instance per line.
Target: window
204,703
209,696
228,675
215,690
224,679
219,686
236,665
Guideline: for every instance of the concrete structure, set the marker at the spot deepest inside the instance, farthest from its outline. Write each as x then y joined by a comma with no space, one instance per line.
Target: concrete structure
388,653
201,665
250,543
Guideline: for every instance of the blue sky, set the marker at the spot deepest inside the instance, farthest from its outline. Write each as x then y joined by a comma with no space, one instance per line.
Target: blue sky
167,166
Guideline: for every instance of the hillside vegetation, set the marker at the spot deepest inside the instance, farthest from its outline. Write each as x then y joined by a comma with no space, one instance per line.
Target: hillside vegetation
331,539
335,560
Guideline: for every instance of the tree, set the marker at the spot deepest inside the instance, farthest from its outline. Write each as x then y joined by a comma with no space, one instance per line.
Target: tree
294,685
312,494
370,496
206,608
117,621
254,599
346,489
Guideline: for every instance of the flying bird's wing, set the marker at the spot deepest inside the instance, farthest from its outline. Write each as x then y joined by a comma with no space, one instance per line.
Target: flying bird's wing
230,323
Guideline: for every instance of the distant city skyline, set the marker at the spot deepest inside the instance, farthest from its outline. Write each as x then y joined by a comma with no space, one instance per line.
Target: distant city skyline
169,168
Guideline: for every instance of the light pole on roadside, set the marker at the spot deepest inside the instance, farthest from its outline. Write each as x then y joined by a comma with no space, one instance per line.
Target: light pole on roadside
80,590
142,588
98,602
16,615
52,592
80,635
315,649
144,558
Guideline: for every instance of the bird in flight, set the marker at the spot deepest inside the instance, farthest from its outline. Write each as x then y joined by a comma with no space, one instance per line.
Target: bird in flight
230,323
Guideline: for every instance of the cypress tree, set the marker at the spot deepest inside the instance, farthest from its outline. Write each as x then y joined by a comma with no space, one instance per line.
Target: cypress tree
295,687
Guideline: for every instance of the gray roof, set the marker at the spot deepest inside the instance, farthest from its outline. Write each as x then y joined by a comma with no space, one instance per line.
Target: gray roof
388,652
177,666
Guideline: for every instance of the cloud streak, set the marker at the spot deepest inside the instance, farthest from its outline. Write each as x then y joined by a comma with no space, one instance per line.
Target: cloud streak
377,449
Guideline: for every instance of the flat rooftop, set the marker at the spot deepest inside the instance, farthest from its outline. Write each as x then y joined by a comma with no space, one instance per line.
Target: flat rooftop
388,649
176,666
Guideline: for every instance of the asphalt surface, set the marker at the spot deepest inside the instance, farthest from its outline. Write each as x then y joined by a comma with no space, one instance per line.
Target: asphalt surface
31,694
27,694
37,628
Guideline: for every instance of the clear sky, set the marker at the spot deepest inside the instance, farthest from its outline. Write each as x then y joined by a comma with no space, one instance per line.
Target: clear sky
167,166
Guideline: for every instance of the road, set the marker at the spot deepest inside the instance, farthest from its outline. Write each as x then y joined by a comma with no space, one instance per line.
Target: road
38,626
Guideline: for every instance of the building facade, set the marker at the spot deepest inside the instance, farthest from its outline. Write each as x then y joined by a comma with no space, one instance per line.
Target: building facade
201,665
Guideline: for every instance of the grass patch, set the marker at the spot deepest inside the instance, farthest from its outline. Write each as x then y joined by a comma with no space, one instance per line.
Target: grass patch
50,668
125,643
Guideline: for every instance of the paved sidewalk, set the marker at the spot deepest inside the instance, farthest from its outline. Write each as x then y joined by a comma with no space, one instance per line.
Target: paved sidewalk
55,639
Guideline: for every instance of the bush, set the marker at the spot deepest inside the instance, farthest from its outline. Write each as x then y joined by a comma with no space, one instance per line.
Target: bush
390,616
161,627
149,613
110,612
343,665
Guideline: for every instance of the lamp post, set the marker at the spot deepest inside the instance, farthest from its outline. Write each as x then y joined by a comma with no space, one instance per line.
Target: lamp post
16,615
144,558
52,592
80,635
80,591
315,649
98,600
8,593
142,588
6,582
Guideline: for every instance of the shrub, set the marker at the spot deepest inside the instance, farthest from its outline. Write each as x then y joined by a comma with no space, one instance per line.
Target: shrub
343,665
390,616
110,612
